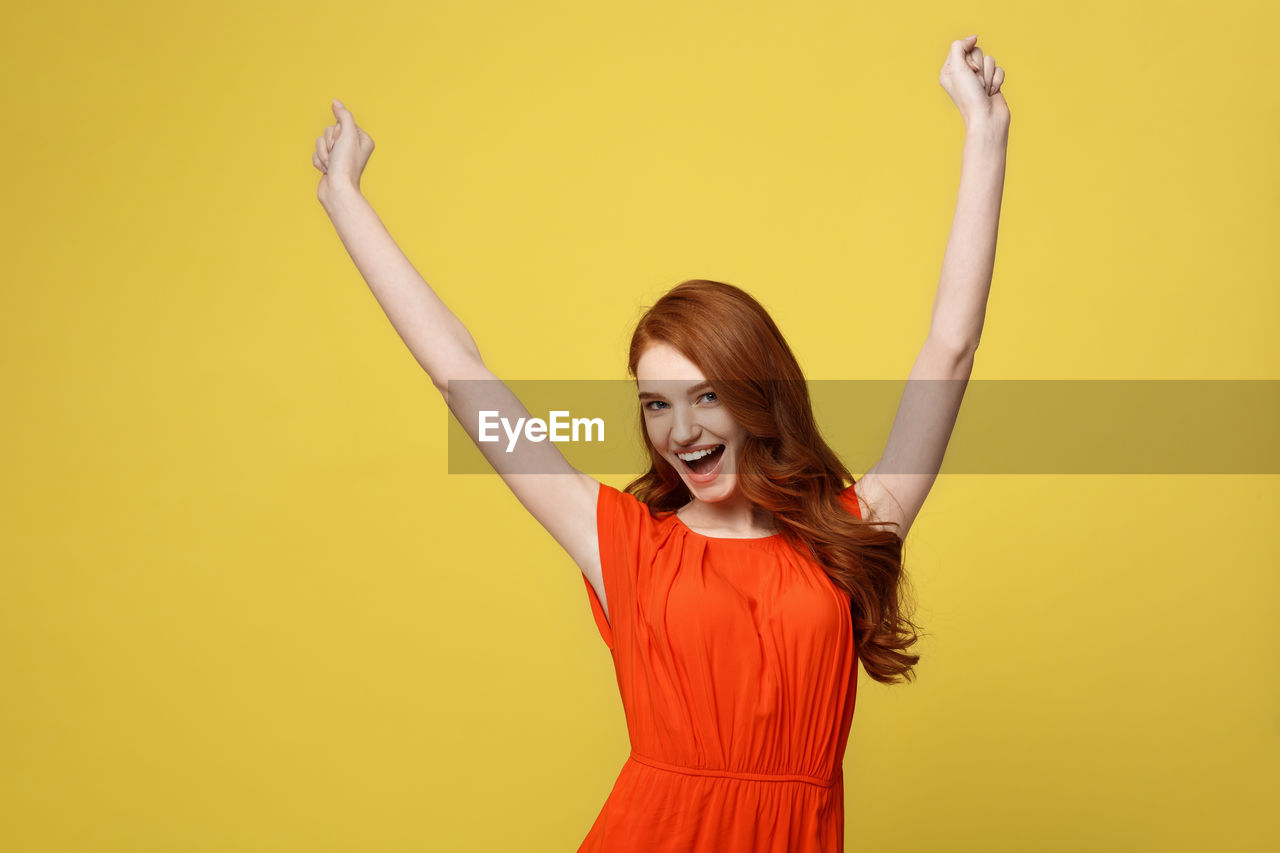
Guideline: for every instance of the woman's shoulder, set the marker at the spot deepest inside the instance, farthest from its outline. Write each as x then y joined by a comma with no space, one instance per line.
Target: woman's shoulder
624,521
621,498
619,503
852,499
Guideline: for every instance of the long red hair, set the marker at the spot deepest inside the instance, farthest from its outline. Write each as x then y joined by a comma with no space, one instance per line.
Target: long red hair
786,467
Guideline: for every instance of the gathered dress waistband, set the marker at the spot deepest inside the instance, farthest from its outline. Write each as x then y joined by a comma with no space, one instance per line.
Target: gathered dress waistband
820,781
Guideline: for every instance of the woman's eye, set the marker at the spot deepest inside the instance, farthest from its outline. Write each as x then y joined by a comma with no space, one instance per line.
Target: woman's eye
712,395
652,403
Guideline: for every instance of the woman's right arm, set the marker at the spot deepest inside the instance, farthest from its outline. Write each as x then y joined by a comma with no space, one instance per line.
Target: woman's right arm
561,498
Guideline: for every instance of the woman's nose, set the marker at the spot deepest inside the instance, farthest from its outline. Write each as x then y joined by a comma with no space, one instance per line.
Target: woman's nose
685,429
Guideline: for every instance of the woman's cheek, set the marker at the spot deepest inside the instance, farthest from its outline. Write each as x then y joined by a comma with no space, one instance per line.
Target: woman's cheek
656,436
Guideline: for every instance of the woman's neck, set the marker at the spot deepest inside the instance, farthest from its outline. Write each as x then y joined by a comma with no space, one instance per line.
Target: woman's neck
734,516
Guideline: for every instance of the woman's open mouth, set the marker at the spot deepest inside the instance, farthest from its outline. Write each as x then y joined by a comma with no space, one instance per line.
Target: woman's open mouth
702,466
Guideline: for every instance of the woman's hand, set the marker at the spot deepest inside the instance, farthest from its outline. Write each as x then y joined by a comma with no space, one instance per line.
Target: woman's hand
973,81
342,153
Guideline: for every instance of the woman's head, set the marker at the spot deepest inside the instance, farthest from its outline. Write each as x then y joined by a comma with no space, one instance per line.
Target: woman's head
758,409
714,373
686,424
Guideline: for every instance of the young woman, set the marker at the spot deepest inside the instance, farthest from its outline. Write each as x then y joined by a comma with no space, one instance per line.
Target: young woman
739,581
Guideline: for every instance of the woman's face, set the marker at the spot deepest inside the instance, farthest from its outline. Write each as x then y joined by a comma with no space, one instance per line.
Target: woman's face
688,424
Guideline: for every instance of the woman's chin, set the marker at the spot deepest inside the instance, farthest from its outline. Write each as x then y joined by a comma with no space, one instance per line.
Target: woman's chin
717,490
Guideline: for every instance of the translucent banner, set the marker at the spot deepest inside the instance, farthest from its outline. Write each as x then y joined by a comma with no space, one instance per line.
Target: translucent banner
1003,426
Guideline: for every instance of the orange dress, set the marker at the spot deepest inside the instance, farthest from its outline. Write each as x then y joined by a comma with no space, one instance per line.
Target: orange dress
735,662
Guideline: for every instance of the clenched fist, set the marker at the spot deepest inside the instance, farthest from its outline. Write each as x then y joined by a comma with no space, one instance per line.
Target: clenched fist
342,153
973,81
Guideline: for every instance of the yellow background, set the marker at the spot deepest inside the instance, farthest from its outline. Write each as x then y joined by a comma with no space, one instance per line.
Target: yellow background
243,608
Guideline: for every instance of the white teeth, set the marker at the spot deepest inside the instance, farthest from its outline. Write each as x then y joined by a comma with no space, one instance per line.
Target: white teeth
698,454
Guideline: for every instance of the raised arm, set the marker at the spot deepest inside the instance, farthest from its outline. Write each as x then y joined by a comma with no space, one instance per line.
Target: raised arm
561,498
896,486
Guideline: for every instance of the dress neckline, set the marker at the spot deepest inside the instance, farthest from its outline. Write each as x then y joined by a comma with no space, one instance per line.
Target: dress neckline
689,529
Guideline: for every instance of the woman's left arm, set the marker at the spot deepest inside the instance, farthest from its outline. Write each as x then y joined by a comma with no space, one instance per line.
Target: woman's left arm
895,488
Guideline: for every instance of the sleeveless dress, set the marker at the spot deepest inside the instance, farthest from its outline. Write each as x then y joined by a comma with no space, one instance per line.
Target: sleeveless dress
735,662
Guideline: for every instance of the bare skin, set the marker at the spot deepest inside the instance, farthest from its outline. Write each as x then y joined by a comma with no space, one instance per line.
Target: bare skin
563,499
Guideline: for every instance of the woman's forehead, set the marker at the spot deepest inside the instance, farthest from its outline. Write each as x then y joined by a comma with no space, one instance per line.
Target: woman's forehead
662,362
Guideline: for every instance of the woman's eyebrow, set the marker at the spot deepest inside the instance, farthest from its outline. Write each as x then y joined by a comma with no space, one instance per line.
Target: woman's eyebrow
693,389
